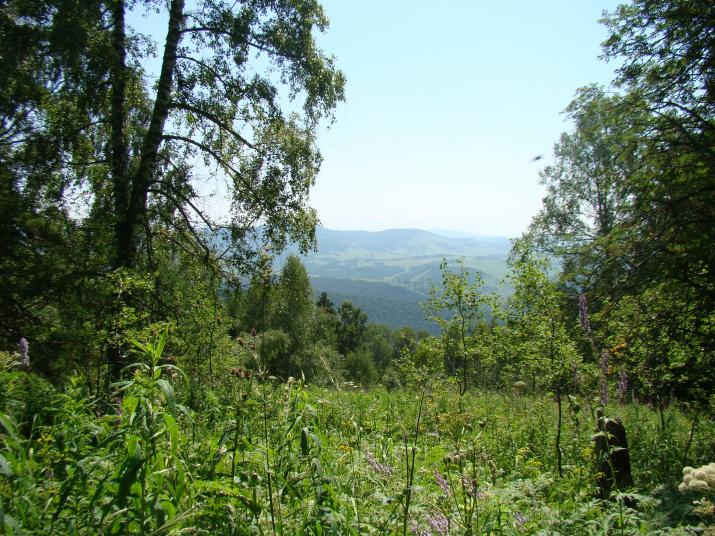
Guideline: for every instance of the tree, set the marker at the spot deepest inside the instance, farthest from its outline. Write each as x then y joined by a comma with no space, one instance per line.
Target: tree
538,333
325,303
587,191
294,311
352,327
294,299
460,308
656,242
81,112
379,344
207,103
667,56
668,74
360,367
405,339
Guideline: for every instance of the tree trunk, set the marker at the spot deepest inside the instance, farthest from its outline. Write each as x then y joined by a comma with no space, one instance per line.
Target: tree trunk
131,193
135,212
559,460
120,185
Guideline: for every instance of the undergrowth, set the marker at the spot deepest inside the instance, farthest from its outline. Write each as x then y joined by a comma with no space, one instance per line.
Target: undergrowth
275,457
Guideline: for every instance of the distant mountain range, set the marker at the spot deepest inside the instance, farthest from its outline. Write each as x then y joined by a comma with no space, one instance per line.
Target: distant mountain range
388,273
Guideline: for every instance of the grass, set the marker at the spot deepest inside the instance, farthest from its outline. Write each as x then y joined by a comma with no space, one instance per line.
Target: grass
263,457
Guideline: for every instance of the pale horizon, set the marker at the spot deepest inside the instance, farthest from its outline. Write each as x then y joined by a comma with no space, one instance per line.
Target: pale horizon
447,109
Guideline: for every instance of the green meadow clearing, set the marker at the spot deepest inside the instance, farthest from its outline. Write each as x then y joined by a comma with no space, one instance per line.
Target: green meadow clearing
268,456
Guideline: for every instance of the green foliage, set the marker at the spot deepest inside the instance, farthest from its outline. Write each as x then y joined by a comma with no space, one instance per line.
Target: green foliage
293,337
352,327
629,209
360,368
99,172
460,307
279,457
240,421
541,350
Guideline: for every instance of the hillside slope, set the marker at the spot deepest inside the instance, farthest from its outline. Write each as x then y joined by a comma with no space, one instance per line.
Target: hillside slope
388,273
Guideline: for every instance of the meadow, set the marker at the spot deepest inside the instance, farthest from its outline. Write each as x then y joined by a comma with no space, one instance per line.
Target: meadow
265,455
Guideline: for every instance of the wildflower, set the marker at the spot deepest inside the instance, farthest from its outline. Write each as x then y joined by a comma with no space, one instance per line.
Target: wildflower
439,523
520,519
22,348
469,486
604,392
442,483
381,468
419,531
699,486
622,383
583,313
701,480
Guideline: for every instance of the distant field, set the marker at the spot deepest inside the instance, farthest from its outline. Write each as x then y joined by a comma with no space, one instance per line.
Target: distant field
388,274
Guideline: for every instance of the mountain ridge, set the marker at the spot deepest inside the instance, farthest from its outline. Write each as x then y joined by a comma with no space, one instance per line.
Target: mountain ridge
391,243
388,273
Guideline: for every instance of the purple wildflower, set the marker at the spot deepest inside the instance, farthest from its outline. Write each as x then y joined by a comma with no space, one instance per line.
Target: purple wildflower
622,383
419,531
22,348
583,313
439,523
603,391
519,518
442,483
382,468
468,485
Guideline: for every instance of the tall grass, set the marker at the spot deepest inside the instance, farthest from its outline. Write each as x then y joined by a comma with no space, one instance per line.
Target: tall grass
274,457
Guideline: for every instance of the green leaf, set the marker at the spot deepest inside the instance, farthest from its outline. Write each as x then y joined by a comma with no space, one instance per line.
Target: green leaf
169,395
304,448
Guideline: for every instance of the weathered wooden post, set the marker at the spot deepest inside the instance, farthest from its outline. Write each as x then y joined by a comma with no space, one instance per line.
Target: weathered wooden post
613,462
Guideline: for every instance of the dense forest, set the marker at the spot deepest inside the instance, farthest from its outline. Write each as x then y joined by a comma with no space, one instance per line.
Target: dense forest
154,382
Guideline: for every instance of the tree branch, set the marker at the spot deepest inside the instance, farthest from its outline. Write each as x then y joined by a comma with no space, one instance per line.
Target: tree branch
211,117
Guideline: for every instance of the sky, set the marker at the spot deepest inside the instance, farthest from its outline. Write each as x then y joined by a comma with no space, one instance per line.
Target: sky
447,105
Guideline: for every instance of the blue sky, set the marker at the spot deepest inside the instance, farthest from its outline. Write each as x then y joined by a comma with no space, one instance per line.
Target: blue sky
447,104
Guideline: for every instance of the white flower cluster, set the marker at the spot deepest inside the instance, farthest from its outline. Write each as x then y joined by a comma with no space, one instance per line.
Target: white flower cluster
701,480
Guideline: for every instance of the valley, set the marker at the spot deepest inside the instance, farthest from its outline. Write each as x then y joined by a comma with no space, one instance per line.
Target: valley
388,273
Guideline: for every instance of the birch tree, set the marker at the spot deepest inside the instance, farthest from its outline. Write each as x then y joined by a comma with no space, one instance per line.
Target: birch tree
239,92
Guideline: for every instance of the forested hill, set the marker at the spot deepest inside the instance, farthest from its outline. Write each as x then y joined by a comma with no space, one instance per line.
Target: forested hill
387,273
348,247
406,242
